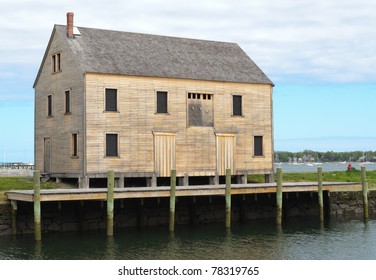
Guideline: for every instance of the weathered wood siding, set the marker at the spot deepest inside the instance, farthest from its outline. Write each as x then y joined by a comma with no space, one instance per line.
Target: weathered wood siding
137,123
60,127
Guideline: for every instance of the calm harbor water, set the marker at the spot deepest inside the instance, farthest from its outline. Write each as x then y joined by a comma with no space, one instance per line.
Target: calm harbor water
298,239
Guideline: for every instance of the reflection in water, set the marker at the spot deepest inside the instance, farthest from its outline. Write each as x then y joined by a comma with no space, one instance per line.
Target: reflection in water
302,238
38,255
110,252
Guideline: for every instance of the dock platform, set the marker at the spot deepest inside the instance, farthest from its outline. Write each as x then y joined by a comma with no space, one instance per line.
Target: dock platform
181,191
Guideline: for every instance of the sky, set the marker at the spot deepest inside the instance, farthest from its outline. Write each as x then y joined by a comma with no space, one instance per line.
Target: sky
320,54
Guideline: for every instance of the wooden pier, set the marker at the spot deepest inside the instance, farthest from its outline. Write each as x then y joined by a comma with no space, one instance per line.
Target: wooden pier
110,194
154,192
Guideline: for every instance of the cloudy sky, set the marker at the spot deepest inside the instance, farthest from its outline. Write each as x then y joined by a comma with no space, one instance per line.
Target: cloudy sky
321,55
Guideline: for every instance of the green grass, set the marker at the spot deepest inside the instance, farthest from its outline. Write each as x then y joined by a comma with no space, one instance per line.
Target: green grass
22,183
25,183
336,176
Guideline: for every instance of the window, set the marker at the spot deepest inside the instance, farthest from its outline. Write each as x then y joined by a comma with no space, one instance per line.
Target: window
74,145
111,100
67,102
49,105
258,146
112,145
161,102
237,105
200,109
56,67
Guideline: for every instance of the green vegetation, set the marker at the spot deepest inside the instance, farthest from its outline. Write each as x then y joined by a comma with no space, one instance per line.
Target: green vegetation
25,183
335,176
22,183
330,156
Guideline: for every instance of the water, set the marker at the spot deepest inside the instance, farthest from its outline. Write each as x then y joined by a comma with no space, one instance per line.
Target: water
298,239
326,166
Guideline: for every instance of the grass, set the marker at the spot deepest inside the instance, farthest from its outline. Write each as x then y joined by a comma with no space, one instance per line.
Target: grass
26,183
335,176
22,183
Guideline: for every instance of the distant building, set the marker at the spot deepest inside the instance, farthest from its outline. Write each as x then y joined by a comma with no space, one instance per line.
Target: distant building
142,105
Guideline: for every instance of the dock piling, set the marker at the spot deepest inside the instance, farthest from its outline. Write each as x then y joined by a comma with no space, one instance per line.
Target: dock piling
365,192
172,200
279,196
110,202
37,208
13,204
320,193
228,198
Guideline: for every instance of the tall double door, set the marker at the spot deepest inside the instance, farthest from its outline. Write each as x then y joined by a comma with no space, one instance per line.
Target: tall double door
226,144
165,153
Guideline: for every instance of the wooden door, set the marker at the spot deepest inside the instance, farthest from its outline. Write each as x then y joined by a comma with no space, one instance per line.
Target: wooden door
164,153
225,153
47,155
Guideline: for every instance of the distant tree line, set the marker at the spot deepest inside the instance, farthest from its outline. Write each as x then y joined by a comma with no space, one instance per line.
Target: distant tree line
330,156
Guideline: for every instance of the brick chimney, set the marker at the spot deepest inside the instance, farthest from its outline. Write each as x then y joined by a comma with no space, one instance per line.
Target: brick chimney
70,34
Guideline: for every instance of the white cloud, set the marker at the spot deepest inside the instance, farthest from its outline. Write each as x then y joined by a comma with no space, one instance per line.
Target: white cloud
325,40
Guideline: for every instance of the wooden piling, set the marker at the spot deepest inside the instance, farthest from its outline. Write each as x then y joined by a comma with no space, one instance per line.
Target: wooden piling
320,193
228,198
365,192
279,196
37,209
13,204
110,202
172,200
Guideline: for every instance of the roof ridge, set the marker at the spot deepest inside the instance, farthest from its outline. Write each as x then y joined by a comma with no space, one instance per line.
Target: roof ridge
154,35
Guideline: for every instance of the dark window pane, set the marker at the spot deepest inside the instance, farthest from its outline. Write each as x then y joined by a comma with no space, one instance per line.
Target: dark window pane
49,105
74,145
58,68
111,145
54,63
67,101
111,99
258,149
161,102
237,105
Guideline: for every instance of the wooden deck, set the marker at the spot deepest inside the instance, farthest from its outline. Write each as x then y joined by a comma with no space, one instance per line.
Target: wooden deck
181,191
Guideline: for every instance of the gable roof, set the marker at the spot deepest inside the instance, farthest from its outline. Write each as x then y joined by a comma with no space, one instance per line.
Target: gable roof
135,54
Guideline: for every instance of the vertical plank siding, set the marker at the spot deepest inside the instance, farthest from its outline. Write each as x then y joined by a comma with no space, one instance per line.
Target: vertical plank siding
143,133
226,156
164,153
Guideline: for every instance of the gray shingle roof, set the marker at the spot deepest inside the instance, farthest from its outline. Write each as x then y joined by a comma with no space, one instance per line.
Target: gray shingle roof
115,52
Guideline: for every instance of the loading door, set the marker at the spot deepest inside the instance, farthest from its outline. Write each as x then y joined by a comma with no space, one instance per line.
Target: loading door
225,153
164,153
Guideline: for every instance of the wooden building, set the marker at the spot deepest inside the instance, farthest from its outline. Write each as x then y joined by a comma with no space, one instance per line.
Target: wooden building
142,105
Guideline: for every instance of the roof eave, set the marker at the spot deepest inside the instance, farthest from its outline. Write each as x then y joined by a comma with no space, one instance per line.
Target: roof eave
44,56
180,78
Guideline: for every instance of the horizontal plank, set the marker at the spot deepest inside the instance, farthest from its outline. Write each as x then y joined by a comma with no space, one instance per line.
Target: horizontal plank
153,192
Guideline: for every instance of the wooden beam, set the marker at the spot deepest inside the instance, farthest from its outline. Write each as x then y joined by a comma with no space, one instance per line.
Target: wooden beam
37,208
13,204
279,196
228,198
365,192
110,202
172,200
320,193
